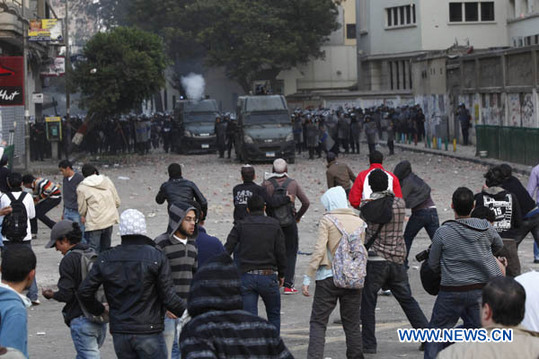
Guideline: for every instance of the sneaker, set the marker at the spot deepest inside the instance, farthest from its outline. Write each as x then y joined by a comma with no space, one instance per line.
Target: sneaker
536,261
36,302
289,291
34,236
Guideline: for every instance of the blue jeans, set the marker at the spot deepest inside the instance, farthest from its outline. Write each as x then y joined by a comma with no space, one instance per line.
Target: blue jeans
393,276
88,337
139,346
535,251
448,308
424,218
32,291
267,287
73,215
171,337
99,240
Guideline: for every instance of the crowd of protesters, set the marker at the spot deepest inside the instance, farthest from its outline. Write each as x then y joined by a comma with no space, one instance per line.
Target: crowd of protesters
182,295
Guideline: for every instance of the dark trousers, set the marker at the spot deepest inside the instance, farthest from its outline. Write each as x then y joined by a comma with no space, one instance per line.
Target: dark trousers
530,224
41,213
448,308
372,147
325,299
139,346
291,244
230,144
510,252
391,146
355,145
465,135
99,240
423,218
267,287
394,277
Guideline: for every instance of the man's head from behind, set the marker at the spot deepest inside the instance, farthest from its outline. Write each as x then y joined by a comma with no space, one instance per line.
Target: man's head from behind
503,302
14,180
378,180
18,266
255,204
247,173
376,157
494,177
462,201
174,170
280,166
88,170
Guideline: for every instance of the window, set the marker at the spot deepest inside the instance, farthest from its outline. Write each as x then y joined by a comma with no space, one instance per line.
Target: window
471,11
350,31
400,16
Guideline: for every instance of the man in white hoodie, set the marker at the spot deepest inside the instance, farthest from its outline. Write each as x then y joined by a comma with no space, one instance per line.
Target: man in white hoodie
98,201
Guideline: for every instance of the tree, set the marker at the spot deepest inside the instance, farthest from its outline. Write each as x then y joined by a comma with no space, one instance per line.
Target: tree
123,67
250,38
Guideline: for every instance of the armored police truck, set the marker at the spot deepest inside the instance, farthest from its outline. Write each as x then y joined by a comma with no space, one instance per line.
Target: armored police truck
195,121
264,129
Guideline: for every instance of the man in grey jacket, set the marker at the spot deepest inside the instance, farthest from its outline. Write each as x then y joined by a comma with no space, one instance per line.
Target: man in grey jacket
462,250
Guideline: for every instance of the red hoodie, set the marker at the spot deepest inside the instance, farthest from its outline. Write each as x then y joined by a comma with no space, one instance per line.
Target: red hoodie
361,189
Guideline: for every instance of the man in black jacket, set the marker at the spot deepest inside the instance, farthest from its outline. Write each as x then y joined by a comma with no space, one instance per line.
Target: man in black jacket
262,259
87,336
179,191
138,286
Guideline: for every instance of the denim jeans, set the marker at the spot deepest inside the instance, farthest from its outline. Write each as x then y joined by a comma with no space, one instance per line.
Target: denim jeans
424,218
394,277
87,337
41,213
171,336
139,346
32,291
324,302
535,251
267,287
99,240
448,308
73,215
291,244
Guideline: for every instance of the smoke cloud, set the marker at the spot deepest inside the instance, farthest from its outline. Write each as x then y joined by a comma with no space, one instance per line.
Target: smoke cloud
194,85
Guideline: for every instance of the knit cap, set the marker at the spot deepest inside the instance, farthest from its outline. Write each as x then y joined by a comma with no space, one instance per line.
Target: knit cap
132,222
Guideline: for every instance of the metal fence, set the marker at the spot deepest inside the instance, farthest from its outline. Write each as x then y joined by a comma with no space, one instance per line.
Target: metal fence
512,144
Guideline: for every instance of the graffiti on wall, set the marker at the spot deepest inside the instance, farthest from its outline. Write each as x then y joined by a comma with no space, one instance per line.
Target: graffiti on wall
513,119
527,113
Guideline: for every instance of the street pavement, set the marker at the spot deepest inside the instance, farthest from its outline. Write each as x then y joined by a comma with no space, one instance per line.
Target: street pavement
138,178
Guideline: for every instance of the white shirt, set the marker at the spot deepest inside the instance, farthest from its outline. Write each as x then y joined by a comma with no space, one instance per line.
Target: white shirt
30,210
182,241
531,315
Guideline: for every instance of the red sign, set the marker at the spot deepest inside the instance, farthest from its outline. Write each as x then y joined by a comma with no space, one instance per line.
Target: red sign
11,81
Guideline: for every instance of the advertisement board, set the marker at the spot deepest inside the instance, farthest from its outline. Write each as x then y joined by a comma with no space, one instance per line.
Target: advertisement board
11,81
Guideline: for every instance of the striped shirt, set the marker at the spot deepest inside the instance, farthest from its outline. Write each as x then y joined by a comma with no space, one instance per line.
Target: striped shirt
462,250
183,262
44,188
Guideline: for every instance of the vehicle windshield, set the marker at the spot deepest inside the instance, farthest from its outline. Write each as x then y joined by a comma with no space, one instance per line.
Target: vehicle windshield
204,117
267,118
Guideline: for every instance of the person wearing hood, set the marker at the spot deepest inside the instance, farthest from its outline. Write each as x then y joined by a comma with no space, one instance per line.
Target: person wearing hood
339,174
320,268
18,272
278,179
462,251
508,221
219,328
416,194
4,171
385,264
178,245
98,202
137,282
262,259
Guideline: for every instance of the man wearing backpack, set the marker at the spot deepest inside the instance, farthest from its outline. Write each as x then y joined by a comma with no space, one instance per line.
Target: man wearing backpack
339,227
385,266
16,225
278,183
88,336
262,259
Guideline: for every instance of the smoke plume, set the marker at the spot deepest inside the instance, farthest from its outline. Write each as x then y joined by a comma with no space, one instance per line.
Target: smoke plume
194,84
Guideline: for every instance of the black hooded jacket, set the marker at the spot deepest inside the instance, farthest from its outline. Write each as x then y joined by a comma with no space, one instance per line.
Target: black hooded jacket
414,190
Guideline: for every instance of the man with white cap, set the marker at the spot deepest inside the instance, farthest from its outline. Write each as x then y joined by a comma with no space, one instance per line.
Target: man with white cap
279,180
88,336
137,282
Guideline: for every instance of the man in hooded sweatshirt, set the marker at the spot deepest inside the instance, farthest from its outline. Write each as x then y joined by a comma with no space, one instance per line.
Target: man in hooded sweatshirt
178,245
98,203
320,267
416,194
219,328
462,252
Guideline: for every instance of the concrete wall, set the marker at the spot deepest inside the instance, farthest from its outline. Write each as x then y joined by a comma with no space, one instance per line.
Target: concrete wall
438,33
